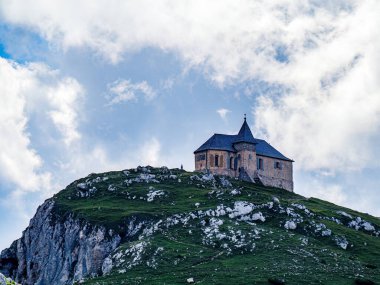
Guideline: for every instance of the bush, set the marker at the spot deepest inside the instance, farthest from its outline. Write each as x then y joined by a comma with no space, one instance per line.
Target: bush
276,281
371,266
364,282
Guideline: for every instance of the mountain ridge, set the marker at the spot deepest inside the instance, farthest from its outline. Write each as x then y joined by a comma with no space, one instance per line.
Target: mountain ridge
158,225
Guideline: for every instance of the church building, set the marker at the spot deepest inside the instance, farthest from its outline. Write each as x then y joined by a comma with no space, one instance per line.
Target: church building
245,157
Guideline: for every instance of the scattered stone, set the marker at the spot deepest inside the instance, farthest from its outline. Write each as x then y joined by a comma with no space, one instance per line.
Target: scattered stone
111,188
341,242
276,200
290,225
344,214
153,194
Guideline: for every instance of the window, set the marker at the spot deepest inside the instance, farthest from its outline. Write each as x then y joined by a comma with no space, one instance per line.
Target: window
277,165
201,157
231,162
212,160
221,161
216,160
260,164
236,163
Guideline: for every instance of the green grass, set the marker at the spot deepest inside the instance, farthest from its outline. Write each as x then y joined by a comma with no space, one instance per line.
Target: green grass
277,253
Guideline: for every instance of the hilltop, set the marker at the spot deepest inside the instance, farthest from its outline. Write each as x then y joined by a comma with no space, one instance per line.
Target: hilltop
168,226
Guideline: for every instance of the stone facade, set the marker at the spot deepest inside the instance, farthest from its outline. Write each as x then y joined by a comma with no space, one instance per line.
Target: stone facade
244,157
276,173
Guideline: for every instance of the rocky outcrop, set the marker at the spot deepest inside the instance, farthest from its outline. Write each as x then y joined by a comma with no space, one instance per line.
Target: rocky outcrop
57,251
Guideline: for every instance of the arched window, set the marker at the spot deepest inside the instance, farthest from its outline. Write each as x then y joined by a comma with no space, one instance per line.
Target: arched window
212,160
221,161
231,162
260,164
216,160
236,163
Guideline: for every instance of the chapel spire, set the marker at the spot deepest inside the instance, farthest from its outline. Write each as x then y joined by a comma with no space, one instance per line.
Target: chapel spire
245,134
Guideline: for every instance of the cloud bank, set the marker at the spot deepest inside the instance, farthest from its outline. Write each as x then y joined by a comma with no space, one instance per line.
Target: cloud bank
321,60
26,90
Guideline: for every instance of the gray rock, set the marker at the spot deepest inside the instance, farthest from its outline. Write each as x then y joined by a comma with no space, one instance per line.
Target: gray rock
57,251
3,281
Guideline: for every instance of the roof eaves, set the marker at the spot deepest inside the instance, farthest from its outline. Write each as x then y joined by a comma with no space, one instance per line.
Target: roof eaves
285,159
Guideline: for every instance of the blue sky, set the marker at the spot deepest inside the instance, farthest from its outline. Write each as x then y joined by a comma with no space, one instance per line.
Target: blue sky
91,88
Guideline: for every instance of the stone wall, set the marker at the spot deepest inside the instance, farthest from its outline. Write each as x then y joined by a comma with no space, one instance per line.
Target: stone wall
200,161
223,167
277,177
208,163
280,176
247,158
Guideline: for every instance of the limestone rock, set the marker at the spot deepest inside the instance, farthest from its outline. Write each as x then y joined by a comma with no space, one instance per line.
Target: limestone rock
57,251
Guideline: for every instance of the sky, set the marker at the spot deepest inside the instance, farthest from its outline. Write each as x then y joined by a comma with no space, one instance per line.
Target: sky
93,86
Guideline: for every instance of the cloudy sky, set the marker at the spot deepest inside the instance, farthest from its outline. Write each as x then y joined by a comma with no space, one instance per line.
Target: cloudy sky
91,86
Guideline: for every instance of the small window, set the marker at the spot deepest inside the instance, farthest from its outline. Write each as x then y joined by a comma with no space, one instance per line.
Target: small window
231,162
250,156
277,165
212,160
201,157
216,160
260,164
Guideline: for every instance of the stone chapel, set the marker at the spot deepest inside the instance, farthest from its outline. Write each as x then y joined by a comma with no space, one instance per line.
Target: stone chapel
245,157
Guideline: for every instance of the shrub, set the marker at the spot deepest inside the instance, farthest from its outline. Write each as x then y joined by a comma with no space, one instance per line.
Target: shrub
364,282
276,281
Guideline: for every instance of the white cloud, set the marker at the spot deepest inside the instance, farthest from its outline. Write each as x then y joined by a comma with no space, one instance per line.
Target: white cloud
19,163
323,58
329,117
329,192
125,90
223,113
150,152
232,40
64,99
29,89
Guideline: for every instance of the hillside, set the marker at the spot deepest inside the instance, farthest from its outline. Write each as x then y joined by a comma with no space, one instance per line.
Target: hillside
160,226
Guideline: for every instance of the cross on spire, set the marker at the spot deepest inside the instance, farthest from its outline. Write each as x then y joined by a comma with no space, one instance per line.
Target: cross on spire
245,117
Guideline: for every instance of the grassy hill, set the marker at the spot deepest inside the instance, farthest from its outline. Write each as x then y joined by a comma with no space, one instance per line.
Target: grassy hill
181,227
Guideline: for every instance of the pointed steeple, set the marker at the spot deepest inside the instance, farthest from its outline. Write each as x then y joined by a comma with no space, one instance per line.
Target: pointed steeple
245,134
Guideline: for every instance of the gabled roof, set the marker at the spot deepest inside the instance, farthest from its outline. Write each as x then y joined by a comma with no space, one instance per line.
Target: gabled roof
226,142
219,142
265,149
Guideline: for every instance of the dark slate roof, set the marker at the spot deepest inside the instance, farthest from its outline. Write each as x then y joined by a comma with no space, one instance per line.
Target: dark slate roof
219,142
245,134
265,149
226,142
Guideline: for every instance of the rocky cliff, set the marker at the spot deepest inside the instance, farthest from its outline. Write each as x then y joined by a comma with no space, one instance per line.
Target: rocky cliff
56,251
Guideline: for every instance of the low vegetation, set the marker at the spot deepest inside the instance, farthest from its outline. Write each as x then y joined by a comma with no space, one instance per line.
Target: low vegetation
180,227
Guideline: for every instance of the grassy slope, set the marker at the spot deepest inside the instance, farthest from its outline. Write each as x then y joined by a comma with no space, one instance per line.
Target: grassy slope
278,253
